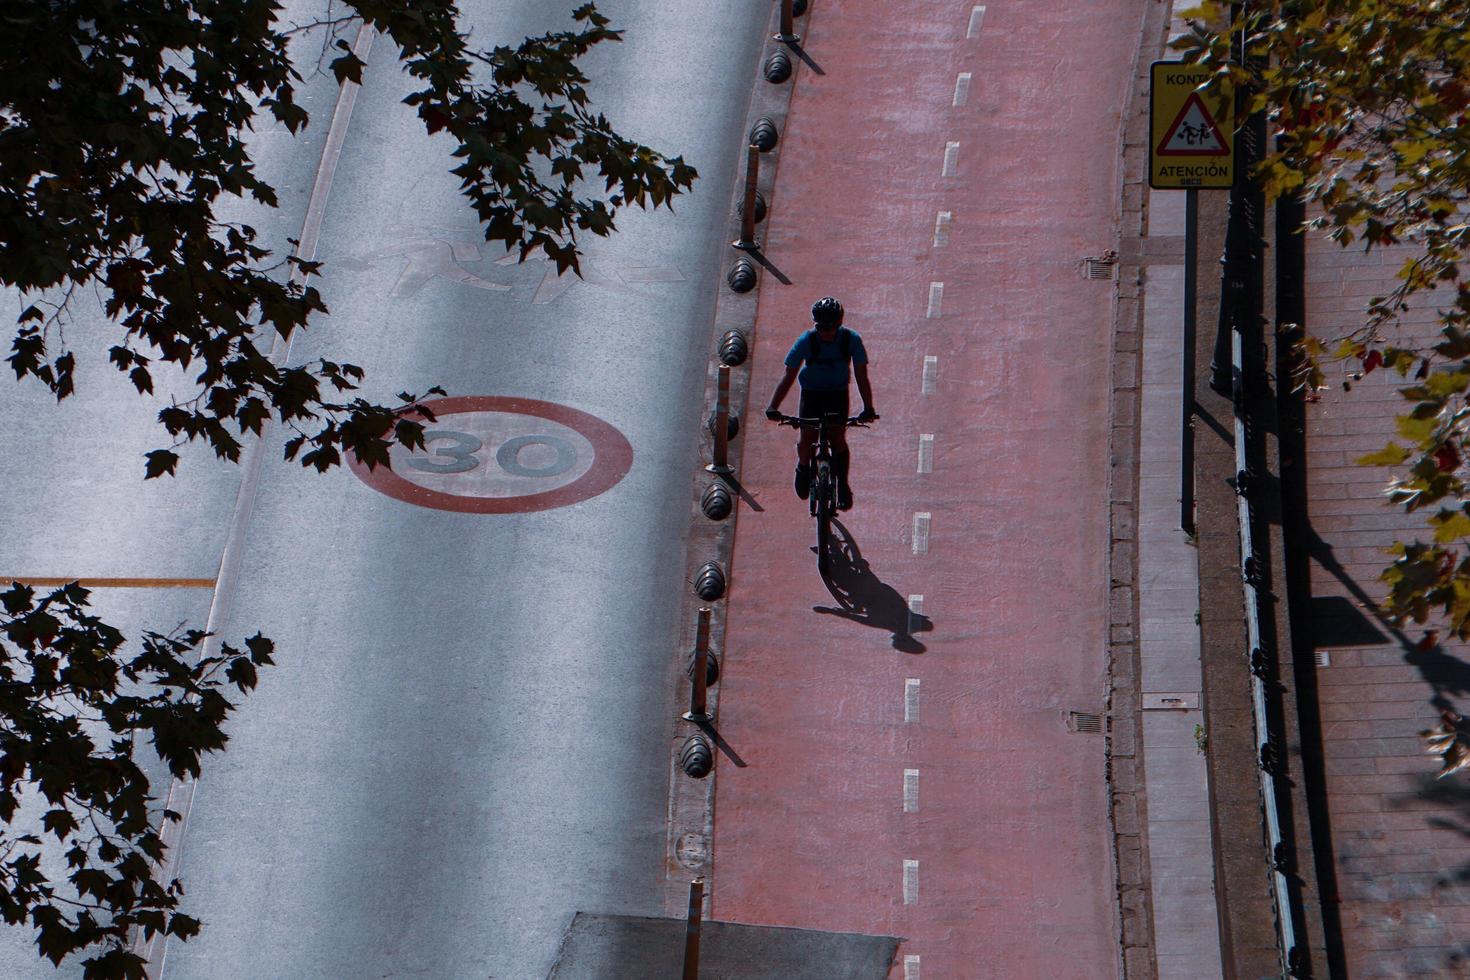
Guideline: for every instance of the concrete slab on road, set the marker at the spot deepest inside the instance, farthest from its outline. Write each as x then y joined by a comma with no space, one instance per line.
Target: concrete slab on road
624,947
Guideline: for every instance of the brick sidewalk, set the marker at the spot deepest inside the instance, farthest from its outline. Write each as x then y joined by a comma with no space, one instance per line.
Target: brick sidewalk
1401,839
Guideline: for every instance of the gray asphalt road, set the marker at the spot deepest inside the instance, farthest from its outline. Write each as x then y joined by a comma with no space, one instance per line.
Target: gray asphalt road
465,740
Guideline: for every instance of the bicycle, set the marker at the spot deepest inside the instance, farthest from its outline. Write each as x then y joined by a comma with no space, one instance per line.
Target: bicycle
823,496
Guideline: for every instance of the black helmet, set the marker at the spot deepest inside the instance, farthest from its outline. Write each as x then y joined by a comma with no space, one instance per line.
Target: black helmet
827,312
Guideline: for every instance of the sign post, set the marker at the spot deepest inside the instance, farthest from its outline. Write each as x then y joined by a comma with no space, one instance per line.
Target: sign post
1191,145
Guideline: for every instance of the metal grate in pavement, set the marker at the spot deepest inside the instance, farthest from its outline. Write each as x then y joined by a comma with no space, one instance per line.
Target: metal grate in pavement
1084,723
1099,266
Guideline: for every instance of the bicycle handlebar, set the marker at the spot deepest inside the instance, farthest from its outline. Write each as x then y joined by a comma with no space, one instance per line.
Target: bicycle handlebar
804,423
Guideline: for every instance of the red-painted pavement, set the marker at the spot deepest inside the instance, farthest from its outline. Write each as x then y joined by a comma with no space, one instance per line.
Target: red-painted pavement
1010,833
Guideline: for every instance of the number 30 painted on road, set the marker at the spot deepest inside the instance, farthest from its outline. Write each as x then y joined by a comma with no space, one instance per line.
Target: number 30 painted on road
516,482
507,456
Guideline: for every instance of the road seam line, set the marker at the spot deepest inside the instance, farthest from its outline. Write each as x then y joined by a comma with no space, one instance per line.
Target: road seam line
113,583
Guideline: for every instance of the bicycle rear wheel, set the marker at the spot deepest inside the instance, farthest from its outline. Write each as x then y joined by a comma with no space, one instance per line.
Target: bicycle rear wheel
825,493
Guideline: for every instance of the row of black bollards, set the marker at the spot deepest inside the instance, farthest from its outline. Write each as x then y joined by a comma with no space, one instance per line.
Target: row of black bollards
696,754
777,69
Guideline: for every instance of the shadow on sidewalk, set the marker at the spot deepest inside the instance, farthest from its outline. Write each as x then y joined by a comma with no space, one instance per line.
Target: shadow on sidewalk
1451,884
864,598
1447,676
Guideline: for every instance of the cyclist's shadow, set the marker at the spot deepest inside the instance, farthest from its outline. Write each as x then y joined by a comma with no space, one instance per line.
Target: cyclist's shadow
863,598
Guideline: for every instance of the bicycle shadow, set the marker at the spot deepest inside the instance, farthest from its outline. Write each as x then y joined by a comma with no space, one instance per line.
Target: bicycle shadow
864,598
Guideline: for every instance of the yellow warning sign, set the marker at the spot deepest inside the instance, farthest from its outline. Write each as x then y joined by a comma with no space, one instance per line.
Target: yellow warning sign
1191,136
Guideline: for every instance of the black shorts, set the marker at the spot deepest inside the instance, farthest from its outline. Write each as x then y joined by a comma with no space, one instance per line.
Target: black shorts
815,404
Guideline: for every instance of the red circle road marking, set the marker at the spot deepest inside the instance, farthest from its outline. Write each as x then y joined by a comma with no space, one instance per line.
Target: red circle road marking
612,458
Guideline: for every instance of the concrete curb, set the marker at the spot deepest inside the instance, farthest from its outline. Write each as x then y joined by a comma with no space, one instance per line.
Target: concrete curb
1128,801
691,802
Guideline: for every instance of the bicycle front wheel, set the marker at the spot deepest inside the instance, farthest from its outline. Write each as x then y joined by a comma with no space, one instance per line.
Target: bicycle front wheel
825,492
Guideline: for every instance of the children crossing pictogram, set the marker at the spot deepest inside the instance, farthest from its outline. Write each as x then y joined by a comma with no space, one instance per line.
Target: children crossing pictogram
1193,133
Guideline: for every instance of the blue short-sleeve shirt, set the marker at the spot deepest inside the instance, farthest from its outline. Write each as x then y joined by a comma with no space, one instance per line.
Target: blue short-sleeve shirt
823,366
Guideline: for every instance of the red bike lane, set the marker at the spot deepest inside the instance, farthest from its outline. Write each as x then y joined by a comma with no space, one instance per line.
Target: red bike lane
910,767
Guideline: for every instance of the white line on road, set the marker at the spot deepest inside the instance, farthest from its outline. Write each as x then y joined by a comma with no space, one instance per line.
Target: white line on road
936,299
931,374
961,88
910,791
180,798
916,612
926,452
911,701
941,228
977,17
921,533
910,881
951,159
910,968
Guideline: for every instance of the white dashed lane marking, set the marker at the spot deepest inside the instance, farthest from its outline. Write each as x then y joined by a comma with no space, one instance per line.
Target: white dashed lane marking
911,701
916,612
951,159
936,299
910,791
977,17
961,88
931,374
921,533
941,229
911,968
926,453
910,881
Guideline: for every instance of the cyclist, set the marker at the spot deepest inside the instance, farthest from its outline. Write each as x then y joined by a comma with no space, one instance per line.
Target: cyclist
820,359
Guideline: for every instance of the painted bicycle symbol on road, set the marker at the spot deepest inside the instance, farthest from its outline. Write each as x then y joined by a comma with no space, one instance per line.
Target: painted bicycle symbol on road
492,455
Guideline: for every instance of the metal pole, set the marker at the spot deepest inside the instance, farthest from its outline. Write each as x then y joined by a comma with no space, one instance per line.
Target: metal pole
697,712
1234,263
722,423
747,241
788,33
691,930
1186,400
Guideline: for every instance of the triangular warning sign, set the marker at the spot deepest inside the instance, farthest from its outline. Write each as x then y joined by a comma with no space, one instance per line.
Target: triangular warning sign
1193,133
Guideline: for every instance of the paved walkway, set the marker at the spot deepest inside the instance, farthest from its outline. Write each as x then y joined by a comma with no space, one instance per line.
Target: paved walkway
915,766
1181,863
1401,838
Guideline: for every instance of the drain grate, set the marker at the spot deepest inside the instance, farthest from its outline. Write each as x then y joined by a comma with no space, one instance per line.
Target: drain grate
1085,723
1099,267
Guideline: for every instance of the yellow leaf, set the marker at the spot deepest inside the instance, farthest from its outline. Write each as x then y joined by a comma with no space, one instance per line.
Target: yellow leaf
1390,455
1415,430
1450,526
